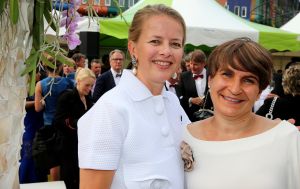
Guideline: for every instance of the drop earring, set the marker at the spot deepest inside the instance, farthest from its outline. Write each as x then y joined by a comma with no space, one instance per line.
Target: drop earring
174,75
134,64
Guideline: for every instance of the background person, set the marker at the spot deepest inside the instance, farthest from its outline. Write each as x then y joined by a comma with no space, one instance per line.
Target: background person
130,138
194,84
79,59
69,72
111,78
187,61
28,172
287,106
173,83
236,146
96,66
71,105
46,94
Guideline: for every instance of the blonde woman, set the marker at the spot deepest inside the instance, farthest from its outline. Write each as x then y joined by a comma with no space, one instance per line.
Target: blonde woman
130,138
72,104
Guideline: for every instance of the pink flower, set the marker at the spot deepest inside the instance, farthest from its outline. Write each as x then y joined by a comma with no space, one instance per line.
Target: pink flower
72,27
70,20
72,40
187,156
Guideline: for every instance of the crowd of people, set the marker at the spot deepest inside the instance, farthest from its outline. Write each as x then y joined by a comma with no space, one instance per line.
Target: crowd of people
136,128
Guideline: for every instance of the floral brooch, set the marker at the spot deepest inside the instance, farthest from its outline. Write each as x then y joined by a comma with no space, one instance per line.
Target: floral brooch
187,156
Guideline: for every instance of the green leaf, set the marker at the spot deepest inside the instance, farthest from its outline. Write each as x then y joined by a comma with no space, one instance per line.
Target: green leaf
38,23
46,61
31,62
48,16
48,5
3,3
32,83
14,11
60,57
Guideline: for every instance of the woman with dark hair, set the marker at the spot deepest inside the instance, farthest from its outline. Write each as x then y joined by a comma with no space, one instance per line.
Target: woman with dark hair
236,148
46,95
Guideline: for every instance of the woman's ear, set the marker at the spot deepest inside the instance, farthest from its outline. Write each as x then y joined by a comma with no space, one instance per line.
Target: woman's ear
131,48
209,81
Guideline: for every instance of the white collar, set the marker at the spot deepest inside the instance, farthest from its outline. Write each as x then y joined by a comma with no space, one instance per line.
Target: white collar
114,72
134,87
202,73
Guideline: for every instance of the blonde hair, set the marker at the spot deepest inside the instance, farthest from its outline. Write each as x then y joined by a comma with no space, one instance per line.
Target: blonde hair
82,73
291,80
148,11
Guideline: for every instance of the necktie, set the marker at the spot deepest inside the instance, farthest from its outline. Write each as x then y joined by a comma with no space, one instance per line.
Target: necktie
118,75
196,76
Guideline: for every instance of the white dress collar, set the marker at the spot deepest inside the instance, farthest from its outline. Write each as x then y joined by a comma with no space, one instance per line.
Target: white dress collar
134,87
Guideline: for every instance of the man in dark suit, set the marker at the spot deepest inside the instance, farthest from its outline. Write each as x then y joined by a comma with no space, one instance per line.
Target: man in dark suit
110,78
194,85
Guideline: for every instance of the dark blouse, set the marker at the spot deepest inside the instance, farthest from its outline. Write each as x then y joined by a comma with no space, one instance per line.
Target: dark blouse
285,108
69,109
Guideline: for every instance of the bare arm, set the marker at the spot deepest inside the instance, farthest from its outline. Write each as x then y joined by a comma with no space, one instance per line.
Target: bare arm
96,179
38,105
29,104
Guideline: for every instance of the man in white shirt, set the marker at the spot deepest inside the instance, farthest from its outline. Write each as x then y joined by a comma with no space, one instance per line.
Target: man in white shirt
194,84
110,78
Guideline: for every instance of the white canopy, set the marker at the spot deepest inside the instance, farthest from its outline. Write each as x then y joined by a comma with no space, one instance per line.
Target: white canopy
293,25
208,23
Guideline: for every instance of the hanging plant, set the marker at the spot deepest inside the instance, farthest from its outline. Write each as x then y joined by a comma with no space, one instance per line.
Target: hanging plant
40,46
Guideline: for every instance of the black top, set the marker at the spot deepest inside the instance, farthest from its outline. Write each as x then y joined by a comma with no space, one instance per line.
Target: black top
69,109
285,108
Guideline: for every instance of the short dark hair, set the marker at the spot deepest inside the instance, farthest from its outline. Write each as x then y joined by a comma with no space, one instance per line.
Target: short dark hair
198,56
77,56
245,55
98,61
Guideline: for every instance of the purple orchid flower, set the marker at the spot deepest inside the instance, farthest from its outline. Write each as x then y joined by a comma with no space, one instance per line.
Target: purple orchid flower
72,40
70,20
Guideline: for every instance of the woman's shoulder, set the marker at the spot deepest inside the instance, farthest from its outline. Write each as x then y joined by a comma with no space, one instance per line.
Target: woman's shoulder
196,129
282,126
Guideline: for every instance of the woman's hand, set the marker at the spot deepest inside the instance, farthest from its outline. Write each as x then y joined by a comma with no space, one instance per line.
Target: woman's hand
293,121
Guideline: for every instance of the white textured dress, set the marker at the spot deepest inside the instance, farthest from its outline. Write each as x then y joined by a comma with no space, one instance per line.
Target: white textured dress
135,133
270,160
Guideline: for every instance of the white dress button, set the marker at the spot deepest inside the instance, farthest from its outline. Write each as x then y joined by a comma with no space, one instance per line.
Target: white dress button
165,131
